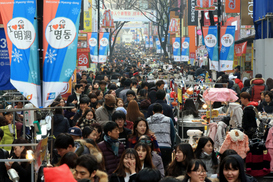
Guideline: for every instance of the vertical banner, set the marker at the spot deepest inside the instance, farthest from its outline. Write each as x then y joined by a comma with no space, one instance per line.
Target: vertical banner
240,49
20,27
147,44
210,39
137,39
4,63
185,52
227,47
204,5
61,26
176,49
233,6
247,12
158,46
192,14
104,45
87,19
151,42
92,39
82,57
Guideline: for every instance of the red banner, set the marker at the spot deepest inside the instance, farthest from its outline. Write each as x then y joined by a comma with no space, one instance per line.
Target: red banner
233,6
83,57
240,49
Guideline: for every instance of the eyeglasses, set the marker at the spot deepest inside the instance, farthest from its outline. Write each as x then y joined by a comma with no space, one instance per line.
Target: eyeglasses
200,172
148,142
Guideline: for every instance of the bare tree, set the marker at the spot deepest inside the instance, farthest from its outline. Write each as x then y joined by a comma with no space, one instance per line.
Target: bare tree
162,9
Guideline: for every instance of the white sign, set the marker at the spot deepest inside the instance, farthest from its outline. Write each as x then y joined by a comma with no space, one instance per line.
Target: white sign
227,40
185,45
132,15
21,32
92,42
60,32
176,45
210,40
104,42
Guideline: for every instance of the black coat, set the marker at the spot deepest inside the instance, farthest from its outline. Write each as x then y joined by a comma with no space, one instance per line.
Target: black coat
115,178
73,97
167,110
267,107
249,118
3,174
61,124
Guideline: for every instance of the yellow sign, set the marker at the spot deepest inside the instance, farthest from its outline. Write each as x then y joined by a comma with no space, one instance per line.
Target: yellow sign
179,95
214,114
87,20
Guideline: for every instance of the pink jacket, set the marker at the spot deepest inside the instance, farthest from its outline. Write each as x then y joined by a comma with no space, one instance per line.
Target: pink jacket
237,143
212,130
269,139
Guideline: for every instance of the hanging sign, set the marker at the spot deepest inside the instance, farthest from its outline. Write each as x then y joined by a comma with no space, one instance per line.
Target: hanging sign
176,49
233,6
61,26
107,21
210,40
147,44
173,27
151,42
205,5
240,49
185,49
227,47
93,46
158,46
104,46
20,24
82,57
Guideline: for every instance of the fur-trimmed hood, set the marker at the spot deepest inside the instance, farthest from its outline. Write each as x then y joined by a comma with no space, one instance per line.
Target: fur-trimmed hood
102,176
235,138
92,149
257,81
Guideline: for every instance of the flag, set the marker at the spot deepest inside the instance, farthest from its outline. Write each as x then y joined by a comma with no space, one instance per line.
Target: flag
20,27
93,46
227,47
210,40
185,52
240,49
4,63
158,46
61,24
147,44
104,45
151,41
176,49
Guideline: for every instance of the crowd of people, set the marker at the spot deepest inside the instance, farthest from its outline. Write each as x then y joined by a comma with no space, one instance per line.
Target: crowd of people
119,127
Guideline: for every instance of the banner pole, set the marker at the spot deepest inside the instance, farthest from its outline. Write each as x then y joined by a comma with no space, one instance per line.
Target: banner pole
98,41
40,9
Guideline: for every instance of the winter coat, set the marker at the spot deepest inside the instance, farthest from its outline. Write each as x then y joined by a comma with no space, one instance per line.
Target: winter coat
236,115
266,107
122,94
212,130
151,95
3,174
111,160
163,128
158,163
61,124
257,86
239,83
103,116
207,159
23,169
237,143
249,120
167,110
8,136
115,178
220,135
101,176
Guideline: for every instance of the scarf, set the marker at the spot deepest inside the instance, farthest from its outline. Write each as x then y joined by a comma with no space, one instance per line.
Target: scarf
113,143
78,97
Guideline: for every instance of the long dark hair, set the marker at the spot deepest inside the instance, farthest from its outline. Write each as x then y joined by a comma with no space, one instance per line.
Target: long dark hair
201,144
189,108
194,163
148,159
179,168
84,116
135,132
120,171
232,162
24,152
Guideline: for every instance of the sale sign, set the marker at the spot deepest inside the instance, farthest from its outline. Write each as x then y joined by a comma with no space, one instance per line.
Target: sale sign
83,57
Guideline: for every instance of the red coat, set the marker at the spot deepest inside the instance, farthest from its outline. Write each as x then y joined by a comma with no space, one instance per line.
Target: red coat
239,83
257,86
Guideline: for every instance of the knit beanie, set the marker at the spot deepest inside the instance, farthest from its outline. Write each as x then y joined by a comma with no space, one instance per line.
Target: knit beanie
58,174
109,99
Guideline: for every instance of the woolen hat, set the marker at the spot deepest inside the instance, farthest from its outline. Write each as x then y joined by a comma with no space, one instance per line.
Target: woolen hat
109,99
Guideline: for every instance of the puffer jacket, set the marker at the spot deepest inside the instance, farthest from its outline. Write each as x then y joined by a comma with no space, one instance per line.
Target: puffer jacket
239,83
61,124
220,135
111,160
257,86
236,115
8,136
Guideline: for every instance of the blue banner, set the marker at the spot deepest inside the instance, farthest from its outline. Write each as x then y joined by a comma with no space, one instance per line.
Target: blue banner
227,48
176,49
137,39
93,45
4,63
211,42
151,41
20,24
103,50
185,49
158,46
61,25
147,44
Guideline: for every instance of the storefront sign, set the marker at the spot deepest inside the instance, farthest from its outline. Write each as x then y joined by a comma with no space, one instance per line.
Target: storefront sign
246,12
192,14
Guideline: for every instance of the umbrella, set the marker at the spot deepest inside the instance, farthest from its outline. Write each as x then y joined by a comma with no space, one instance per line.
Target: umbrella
220,95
